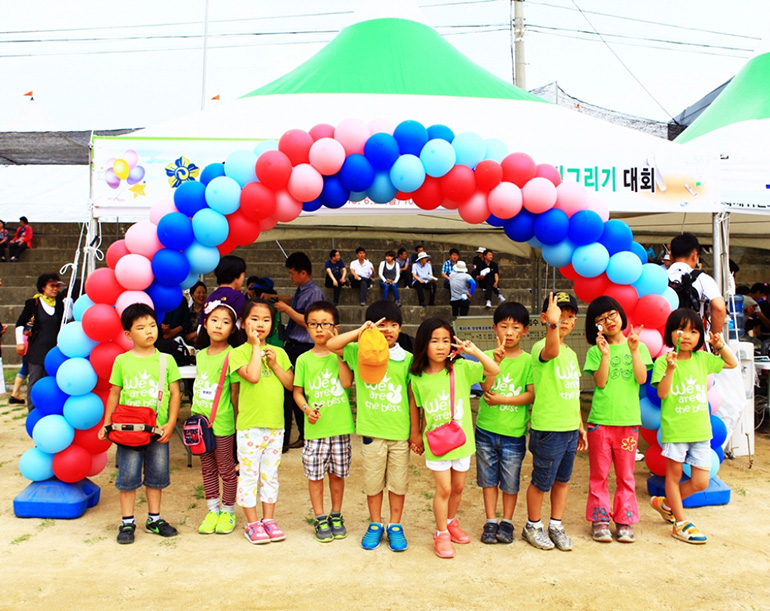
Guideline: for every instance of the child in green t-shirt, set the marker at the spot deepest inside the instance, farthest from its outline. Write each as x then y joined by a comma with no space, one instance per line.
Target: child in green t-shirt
321,380
618,365
501,425
382,419
556,427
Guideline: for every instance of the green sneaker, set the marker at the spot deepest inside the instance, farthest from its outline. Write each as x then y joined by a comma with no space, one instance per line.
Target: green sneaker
337,524
323,532
225,523
209,524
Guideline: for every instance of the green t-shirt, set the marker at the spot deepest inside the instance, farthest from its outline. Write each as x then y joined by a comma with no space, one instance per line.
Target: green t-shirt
319,376
684,413
557,390
431,393
382,410
207,371
261,404
510,420
617,404
138,378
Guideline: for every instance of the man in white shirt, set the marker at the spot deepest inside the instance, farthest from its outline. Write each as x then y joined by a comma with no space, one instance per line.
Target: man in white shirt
361,271
423,279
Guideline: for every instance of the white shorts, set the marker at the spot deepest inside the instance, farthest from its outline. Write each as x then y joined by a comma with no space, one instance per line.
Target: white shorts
458,464
696,454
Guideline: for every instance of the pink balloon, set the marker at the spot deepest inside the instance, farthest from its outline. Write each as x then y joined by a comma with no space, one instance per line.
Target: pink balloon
126,299
131,158
322,130
539,195
714,399
571,198
352,134
505,200
475,210
98,462
267,224
652,339
327,156
381,126
711,379
120,339
546,170
142,239
134,272
601,208
111,178
116,250
286,207
161,209
305,183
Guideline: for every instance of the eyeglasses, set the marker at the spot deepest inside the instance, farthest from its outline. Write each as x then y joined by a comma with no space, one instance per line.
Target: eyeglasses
608,316
323,325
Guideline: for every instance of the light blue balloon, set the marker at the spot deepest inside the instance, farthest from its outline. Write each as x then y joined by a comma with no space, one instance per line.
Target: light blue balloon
210,227
36,465
495,149
223,194
357,196
241,167
203,259
73,342
715,464
76,376
650,414
53,434
265,145
671,297
470,149
191,279
652,281
407,174
659,437
624,267
535,243
382,190
438,157
559,255
590,260
81,305
84,411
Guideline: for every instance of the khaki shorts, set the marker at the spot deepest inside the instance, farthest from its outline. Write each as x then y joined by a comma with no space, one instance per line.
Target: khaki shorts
384,462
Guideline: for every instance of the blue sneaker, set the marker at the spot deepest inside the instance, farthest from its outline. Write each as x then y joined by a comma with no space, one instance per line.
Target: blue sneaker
396,538
372,536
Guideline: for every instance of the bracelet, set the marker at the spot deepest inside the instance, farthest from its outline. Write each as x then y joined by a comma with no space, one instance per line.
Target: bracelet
552,325
303,407
718,349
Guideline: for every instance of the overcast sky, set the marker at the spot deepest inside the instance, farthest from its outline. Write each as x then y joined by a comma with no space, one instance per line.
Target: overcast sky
104,65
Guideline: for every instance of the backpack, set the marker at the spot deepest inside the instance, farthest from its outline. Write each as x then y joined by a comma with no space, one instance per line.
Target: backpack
689,297
198,435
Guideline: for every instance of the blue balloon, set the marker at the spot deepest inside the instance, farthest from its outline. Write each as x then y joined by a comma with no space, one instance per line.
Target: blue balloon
223,194
650,414
559,255
591,260
470,149
81,305
624,267
715,464
440,131
212,171
495,221
76,376
407,174
535,243
551,226
651,392
653,281
585,227
36,465
190,197
496,150
32,419
521,227
382,190
639,251
334,194
720,453
53,434
411,137
671,297
191,279
616,236
357,196
438,157
265,145
718,432
47,397
381,150
357,174
73,341
210,227
165,298
312,206
170,267
242,167
53,360
203,259
175,231
659,437
84,411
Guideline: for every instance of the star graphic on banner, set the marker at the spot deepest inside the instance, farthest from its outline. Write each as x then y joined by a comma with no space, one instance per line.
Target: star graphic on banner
138,189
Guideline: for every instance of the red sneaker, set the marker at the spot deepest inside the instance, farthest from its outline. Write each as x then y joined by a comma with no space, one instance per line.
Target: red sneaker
457,534
443,545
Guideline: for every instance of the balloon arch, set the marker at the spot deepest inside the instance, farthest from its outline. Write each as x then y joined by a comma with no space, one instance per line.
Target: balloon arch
328,166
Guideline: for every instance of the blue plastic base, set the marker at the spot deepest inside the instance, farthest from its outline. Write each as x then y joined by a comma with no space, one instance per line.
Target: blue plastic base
718,493
56,499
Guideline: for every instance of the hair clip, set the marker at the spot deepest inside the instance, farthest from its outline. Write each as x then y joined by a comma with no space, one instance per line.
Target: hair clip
213,305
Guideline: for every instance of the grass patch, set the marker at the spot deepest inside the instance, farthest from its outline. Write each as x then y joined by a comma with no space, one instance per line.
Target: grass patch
198,493
94,540
20,539
47,523
740,490
192,506
182,521
415,470
428,495
310,520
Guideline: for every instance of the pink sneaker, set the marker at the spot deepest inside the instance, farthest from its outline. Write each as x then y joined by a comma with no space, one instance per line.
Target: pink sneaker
443,546
273,530
457,534
255,533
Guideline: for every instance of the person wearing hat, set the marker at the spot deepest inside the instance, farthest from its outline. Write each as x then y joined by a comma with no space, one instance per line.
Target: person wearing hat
423,279
477,263
461,287
22,239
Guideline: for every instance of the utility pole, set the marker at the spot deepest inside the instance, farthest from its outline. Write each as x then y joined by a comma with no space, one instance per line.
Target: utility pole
519,77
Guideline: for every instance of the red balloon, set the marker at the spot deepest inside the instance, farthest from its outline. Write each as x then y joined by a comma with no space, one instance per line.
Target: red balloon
98,462
243,229
101,322
116,250
625,295
88,440
475,210
655,461
102,385
652,311
72,464
546,170
649,435
273,169
322,130
458,184
268,223
588,289
103,287
489,174
429,196
296,143
402,196
102,358
228,246
518,168
257,202
569,272
121,340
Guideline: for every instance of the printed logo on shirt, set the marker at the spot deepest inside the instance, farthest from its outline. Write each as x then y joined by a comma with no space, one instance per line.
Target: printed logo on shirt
621,366
141,390
385,396
571,381
691,396
327,388
440,404
505,386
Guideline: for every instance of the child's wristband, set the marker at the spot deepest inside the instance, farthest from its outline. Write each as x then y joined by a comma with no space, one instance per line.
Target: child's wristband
718,349
553,325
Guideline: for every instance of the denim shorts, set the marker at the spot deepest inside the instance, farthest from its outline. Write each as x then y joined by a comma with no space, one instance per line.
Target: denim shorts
553,454
696,454
498,460
154,457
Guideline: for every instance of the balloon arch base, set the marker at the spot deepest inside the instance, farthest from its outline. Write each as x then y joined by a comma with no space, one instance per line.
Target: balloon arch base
718,493
53,498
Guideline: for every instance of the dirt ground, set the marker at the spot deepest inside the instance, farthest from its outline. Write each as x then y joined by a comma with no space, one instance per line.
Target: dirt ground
76,564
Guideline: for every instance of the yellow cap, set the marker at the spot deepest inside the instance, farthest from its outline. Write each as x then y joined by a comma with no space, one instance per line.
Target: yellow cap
373,356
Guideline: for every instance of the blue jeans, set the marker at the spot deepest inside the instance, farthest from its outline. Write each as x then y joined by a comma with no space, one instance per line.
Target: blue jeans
389,288
498,460
153,457
553,454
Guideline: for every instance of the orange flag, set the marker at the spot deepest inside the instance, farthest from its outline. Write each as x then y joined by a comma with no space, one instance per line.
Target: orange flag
216,97
28,94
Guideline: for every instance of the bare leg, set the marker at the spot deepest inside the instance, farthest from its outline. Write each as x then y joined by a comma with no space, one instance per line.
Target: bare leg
559,494
316,489
251,514
268,511
673,492
458,483
337,490
396,502
509,505
490,502
375,507
127,500
534,503
441,497
153,499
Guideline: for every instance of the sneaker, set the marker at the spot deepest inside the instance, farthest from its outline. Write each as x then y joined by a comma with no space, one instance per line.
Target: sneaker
160,527
209,524
373,536
560,539
225,523
505,532
14,259
600,531
501,298
273,530
255,533
323,531
14,401
398,303
363,303
126,533
656,502
488,304
639,456
337,525
2,259
689,534
457,534
396,538
625,533
443,545
536,537
489,534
